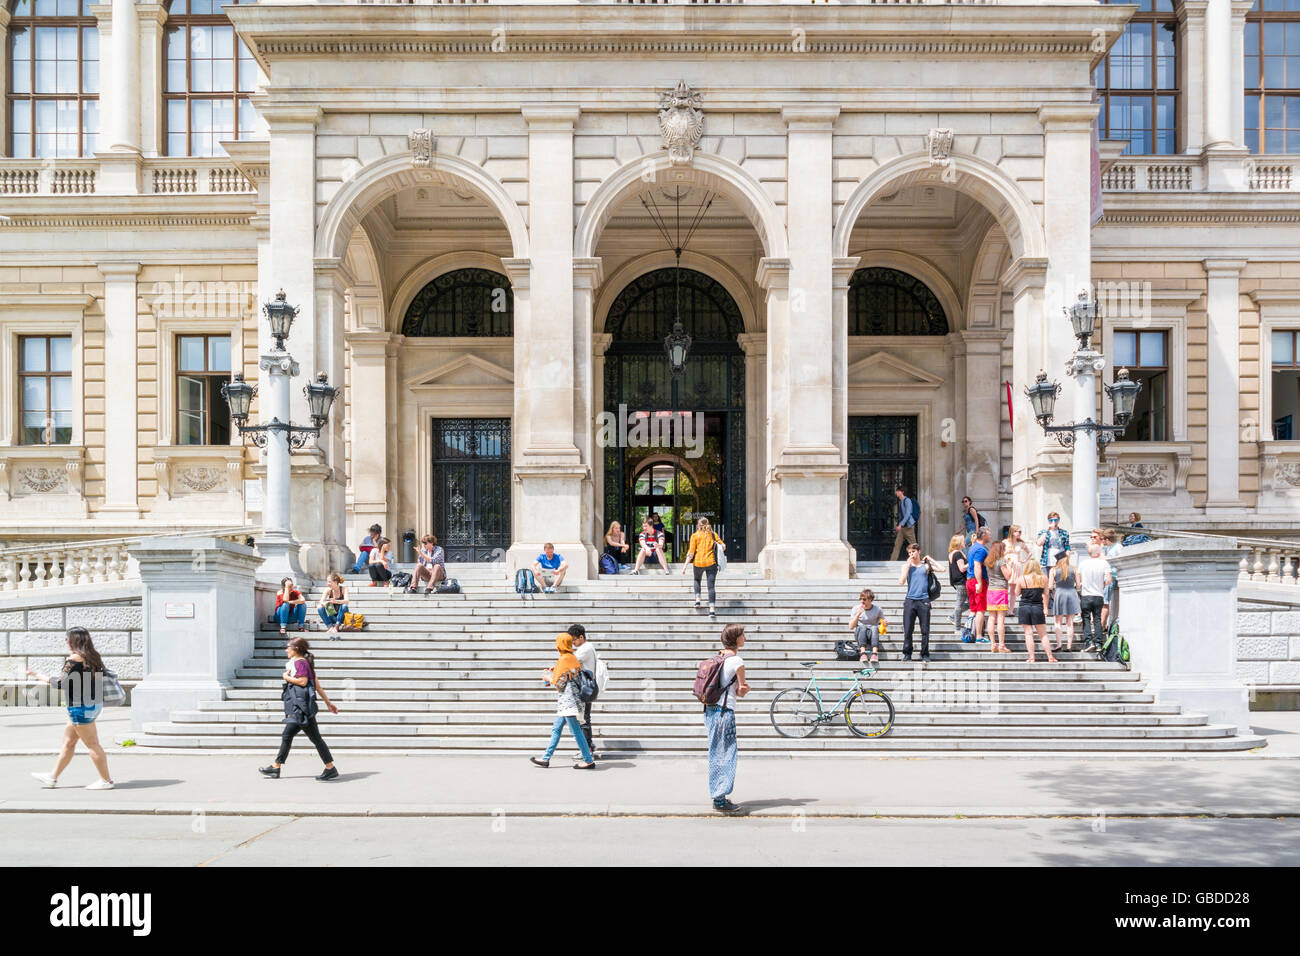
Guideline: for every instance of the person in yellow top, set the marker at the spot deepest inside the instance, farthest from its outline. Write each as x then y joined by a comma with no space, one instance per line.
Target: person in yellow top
701,556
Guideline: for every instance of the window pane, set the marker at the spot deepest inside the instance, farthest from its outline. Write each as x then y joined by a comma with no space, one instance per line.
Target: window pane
190,393
1125,349
61,394
34,354
1152,349
219,411
61,354
190,428
35,395
1283,348
191,353
1159,403
33,429
219,354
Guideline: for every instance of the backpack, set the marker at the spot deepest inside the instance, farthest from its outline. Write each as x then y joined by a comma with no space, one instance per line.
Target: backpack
401,580
968,629
585,686
1115,649
708,689
602,673
450,586
525,582
916,511
608,565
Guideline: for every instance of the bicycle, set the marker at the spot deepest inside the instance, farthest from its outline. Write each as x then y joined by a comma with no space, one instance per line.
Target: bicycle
799,711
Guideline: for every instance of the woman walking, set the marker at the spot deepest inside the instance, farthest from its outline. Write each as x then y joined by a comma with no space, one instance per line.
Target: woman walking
999,601
568,707
290,606
333,605
957,577
82,680
1065,600
1032,610
299,695
381,562
702,555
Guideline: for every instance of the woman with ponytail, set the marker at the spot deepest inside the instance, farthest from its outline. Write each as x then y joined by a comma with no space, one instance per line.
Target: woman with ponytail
299,695
82,680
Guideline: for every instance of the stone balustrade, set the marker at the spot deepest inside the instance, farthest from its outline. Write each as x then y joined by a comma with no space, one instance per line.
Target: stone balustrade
1265,563
162,176
1135,174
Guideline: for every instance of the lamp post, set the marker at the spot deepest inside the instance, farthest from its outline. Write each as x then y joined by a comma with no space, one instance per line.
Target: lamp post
279,435
1084,435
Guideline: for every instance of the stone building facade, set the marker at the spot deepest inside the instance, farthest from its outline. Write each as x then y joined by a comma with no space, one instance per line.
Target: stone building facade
881,210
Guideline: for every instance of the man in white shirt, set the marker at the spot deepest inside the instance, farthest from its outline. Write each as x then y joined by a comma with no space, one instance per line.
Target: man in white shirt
1094,575
585,651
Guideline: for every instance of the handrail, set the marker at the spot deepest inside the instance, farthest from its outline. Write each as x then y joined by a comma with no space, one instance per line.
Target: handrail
1264,561
1128,529
106,542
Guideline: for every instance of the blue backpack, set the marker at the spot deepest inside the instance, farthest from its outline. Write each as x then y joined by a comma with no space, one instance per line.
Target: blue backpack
608,565
525,583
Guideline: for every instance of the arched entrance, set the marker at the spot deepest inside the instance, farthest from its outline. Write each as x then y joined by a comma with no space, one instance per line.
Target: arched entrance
677,443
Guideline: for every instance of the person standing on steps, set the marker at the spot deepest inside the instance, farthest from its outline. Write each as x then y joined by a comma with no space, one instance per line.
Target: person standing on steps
1051,540
82,680
972,520
905,530
998,601
299,695
1032,610
702,555
957,577
916,605
290,605
1065,601
977,583
585,652
1094,576
333,605
720,719
567,707
865,623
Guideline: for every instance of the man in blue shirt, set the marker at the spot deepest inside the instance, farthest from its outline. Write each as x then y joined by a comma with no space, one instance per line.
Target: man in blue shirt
905,530
977,581
550,568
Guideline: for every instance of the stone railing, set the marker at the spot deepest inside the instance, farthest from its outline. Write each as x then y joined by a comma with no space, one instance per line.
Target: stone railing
194,175
65,564
1269,176
47,177
1153,174
1264,561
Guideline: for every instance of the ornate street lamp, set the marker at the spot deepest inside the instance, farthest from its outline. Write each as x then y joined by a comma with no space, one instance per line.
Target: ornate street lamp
677,344
239,396
1123,395
281,315
1083,316
320,396
1042,396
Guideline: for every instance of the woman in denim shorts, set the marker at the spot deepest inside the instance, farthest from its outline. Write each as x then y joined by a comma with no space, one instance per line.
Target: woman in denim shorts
82,681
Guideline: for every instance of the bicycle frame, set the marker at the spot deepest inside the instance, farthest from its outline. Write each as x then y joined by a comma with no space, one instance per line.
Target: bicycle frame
812,686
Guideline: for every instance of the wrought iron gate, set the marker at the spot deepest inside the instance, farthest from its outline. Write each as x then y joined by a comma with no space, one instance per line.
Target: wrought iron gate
471,487
882,456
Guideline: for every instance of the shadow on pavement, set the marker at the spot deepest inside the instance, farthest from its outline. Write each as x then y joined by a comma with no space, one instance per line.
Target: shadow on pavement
145,784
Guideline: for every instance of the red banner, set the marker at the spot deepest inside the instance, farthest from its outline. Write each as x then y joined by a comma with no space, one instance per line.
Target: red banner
1011,415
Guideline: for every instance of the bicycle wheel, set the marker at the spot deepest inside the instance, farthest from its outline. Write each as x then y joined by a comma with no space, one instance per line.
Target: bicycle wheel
795,713
870,713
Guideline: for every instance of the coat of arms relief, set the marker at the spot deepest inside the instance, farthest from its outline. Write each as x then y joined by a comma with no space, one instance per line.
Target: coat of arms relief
681,123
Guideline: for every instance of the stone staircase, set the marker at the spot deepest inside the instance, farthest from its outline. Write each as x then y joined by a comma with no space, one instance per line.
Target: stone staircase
462,674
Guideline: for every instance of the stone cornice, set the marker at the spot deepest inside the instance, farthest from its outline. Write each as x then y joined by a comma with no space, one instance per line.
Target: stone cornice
80,219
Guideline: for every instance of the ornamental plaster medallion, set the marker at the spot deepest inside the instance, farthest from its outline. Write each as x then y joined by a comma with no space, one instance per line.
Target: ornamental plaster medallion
201,479
1144,475
43,480
421,144
1288,474
681,123
939,143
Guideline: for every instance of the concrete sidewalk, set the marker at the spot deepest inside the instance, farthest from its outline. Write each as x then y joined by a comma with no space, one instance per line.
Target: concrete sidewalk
860,786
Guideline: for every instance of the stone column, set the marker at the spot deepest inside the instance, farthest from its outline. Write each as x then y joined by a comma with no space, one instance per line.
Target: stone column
1223,383
1183,642
199,620
979,416
120,398
1224,155
152,17
1237,62
4,74
371,354
841,273
600,342
588,392
119,157
324,535
756,431
549,471
1191,107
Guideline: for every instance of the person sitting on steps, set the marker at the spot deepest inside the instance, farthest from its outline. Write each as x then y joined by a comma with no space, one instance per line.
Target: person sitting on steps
429,564
865,624
550,568
381,561
290,605
652,548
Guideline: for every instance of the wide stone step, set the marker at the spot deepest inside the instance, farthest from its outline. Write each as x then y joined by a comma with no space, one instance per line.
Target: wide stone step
267,690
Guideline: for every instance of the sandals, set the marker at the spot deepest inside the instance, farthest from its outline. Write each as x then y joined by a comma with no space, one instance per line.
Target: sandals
283,632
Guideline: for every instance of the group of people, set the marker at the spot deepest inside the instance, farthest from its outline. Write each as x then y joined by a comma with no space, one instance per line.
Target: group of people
702,552
375,555
652,544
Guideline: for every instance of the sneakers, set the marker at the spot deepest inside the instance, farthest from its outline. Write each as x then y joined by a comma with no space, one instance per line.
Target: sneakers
907,657
539,761
548,590
48,782
925,658
329,773
712,612
725,806
272,772
100,785
666,571
697,603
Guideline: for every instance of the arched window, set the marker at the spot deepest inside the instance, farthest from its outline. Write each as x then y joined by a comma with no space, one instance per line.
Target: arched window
476,302
210,74
644,310
53,79
889,302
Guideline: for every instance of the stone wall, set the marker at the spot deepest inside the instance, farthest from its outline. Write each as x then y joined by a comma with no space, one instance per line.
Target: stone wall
36,637
1268,652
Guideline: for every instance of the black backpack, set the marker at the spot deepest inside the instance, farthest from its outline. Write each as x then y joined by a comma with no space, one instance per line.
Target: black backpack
584,685
450,586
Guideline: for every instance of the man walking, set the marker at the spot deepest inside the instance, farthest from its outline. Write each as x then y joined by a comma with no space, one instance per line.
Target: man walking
720,719
977,581
905,530
585,651
1094,576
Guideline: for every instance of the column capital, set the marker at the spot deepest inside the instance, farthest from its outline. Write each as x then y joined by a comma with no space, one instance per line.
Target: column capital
103,14
588,273
1190,10
1223,268
4,17
753,344
842,270
118,270
773,273
1068,118
289,118
558,118
1242,7
600,342
331,269
151,13
518,271
369,344
1025,273
810,117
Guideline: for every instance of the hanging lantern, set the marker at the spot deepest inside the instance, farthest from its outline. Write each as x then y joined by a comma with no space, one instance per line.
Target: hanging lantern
1083,316
1042,396
678,347
280,314
1123,394
239,396
320,397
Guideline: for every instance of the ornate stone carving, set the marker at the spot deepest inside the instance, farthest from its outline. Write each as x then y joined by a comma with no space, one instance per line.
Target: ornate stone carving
1144,474
939,144
1288,473
43,480
681,123
421,144
201,479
